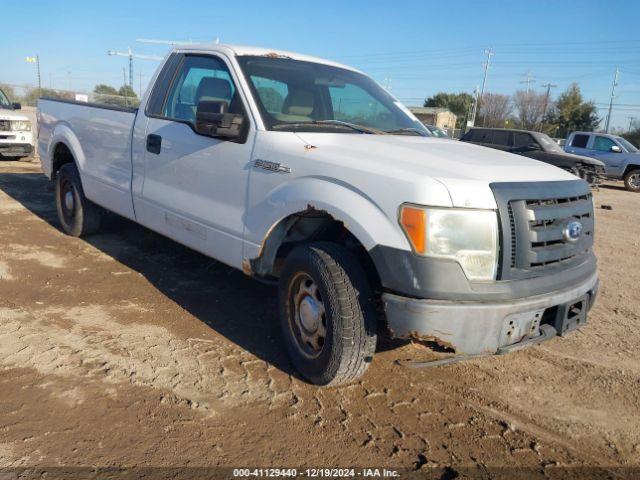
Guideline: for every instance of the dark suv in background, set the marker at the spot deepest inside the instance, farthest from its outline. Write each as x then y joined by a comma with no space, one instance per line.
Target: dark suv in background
538,146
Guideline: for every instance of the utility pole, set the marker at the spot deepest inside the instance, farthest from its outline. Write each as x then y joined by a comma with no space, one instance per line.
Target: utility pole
548,86
528,80
36,60
613,95
489,53
474,108
124,77
631,120
140,96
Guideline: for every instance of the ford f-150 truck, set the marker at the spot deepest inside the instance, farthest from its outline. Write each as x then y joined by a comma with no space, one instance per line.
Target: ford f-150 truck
306,172
15,131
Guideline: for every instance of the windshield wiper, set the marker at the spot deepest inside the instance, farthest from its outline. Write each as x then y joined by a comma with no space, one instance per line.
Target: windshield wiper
337,123
409,130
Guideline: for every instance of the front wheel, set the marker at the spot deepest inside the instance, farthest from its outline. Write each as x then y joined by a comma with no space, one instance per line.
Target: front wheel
632,180
327,314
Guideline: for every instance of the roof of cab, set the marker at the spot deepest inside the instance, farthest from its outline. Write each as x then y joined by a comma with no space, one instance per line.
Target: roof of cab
242,50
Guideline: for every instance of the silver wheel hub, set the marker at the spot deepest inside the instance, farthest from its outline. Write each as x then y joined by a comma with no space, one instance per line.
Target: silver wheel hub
69,201
309,315
634,180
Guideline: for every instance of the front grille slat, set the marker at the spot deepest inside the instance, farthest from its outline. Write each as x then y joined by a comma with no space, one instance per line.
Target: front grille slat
563,210
553,232
558,251
5,125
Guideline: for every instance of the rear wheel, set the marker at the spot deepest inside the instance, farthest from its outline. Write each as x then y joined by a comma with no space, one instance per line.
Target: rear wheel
327,314
632,180
77,214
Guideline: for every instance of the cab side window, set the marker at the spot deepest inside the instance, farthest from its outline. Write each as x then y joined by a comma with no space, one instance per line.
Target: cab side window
199,78
501,138
479,135
580,141
521,139
603,144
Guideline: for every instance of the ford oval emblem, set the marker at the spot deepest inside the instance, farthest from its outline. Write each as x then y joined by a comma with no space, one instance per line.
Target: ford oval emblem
572,231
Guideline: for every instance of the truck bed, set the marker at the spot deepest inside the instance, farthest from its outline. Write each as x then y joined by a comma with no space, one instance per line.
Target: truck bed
100,137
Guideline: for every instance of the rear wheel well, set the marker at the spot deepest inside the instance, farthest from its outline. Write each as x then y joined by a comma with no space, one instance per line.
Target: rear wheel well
61,155
311,225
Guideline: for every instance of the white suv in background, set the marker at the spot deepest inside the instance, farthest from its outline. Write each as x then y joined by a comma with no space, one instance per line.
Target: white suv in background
15,131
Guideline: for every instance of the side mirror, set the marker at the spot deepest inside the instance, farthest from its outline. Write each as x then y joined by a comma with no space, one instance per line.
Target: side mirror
16,106
533,146
213,120
616,149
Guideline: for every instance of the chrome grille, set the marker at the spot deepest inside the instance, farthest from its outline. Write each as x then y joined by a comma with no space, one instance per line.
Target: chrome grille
5,125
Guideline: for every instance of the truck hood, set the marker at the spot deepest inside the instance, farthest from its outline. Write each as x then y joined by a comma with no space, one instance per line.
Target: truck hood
579,158
466,170
7,115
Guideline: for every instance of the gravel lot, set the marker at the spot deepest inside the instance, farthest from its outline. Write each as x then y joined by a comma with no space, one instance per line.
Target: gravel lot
127,349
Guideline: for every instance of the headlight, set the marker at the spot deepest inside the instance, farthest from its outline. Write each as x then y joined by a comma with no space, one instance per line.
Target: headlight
469,237
21,125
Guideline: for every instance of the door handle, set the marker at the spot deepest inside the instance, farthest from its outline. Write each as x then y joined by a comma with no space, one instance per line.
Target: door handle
154,143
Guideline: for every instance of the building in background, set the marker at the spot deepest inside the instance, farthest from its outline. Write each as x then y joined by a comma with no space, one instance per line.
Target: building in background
438,116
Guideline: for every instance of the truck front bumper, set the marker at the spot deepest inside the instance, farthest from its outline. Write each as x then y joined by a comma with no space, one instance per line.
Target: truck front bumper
15,149
474,328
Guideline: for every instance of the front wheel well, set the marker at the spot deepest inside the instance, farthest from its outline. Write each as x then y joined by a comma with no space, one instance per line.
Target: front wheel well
308,226
630,168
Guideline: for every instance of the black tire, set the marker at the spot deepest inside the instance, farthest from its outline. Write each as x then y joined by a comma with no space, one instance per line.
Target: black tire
632,180
349,319
77,215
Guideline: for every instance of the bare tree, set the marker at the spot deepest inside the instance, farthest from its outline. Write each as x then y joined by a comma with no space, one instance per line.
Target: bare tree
529,106
495,110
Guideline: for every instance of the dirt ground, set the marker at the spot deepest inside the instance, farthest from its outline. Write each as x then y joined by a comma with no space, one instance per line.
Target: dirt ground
126,349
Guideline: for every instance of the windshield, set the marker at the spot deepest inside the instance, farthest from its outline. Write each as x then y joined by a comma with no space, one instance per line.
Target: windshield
548,144
299,95
4,101
628,146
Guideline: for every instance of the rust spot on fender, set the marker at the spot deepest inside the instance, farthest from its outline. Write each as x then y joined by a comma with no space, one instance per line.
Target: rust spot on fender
246,267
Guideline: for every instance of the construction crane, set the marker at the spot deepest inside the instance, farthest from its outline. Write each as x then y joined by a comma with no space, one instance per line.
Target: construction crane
131,56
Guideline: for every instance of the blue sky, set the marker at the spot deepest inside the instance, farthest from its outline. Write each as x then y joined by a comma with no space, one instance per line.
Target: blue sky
417,47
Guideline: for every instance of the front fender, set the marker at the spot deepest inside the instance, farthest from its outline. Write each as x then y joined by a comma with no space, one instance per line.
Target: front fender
366,220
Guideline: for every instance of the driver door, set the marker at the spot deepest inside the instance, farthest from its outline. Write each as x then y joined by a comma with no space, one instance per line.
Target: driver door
194,187
601,150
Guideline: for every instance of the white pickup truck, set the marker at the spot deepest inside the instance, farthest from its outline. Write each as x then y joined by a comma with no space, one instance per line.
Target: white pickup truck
15,131
306,172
